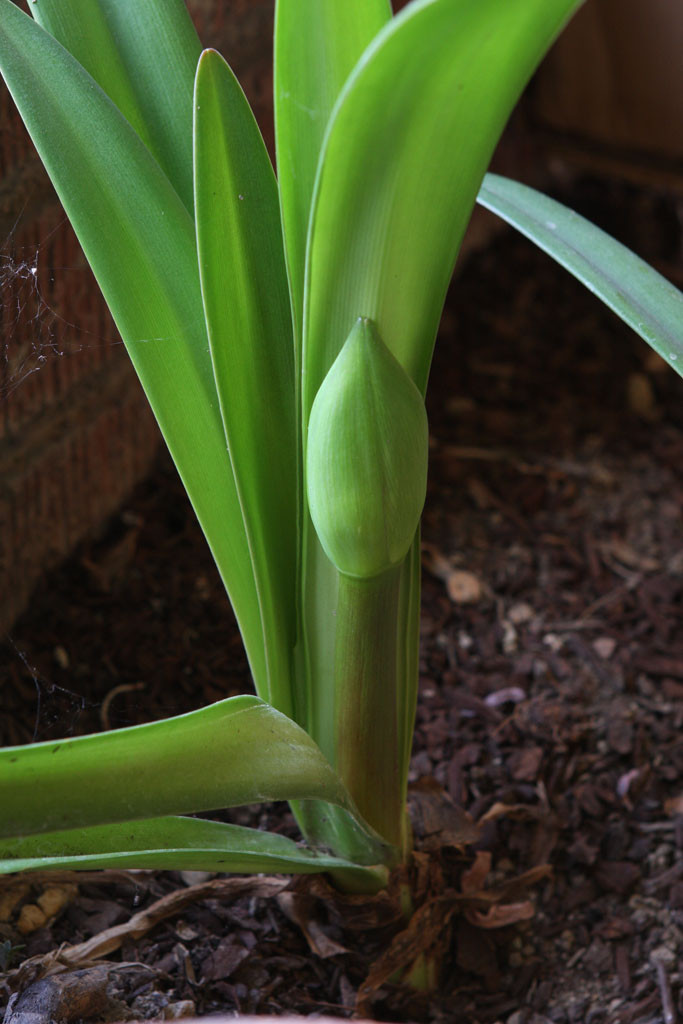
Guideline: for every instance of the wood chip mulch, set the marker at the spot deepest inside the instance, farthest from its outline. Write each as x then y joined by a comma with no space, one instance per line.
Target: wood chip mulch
547,777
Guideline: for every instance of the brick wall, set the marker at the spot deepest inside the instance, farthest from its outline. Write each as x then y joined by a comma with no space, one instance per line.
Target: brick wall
75,430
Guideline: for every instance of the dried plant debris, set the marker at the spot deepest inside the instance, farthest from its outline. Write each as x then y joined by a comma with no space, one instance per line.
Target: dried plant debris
547,777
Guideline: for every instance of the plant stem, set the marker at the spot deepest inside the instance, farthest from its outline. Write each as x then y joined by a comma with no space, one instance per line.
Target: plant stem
368,755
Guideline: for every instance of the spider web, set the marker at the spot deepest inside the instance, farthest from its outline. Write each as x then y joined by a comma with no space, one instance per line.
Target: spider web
33,331
54,705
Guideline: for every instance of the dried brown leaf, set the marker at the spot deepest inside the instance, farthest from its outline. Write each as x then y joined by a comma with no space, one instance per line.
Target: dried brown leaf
301,910
502,914
437,820
475,877
516,812
224,960
424,935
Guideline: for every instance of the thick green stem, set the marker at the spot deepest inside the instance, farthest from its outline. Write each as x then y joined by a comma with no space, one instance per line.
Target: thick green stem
368,745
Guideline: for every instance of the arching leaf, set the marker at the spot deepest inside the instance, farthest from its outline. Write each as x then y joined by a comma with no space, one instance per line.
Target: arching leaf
238,751
639,295
405,153
179,844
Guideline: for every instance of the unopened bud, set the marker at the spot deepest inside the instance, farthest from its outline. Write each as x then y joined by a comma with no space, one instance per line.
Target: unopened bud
366,464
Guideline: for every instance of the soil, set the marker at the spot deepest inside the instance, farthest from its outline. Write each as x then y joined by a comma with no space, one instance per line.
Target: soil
547,775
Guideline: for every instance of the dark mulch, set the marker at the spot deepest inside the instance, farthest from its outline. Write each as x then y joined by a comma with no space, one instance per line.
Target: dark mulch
551,698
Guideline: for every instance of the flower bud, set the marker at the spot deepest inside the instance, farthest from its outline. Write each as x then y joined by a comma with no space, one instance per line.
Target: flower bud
366,462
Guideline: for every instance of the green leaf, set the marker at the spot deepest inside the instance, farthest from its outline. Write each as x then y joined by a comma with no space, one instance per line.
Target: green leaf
140,241
246,305
144,56
317,44
179,844
640,296
238,751
407,147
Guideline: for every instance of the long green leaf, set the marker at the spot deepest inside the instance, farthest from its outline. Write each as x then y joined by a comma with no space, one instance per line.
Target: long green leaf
246,304
179,844
644,299
144,56
139,239
317,43
238,751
